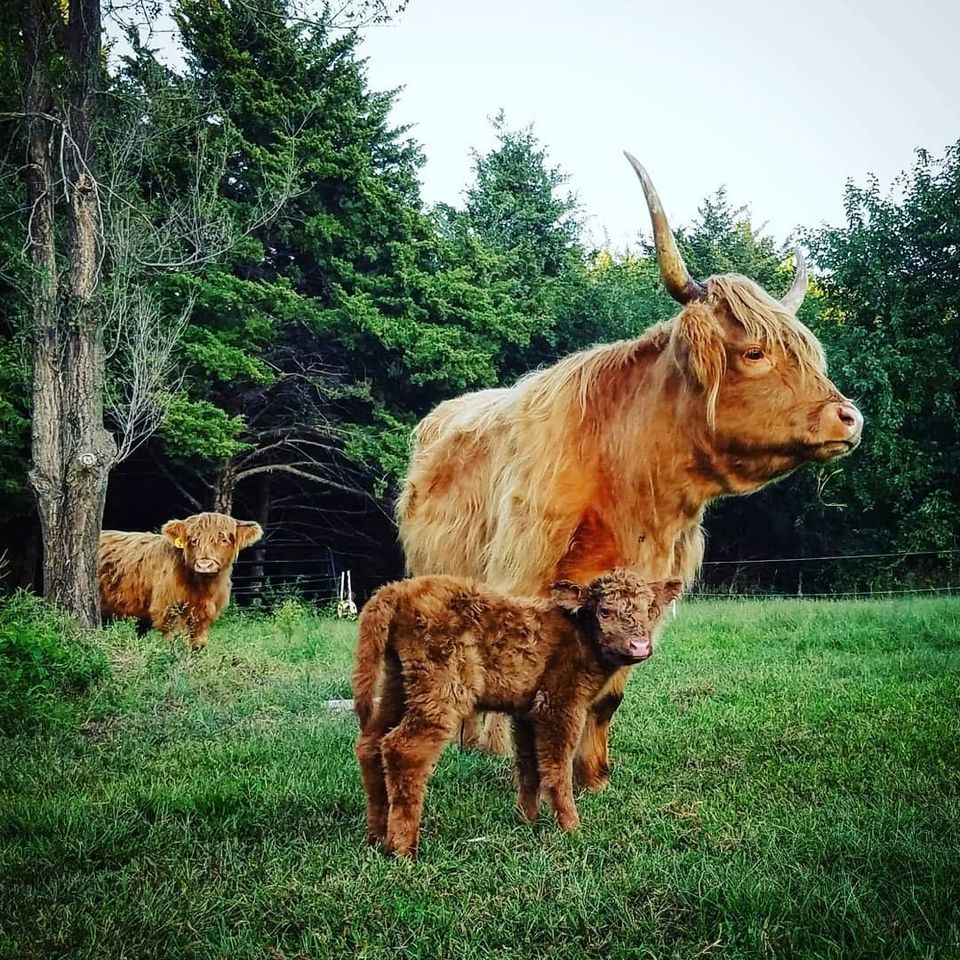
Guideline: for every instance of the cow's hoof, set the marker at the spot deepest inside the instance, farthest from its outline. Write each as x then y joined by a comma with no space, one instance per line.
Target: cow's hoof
593,779
596,784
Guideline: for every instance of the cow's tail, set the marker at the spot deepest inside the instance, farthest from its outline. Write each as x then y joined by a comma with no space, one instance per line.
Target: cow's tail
374,635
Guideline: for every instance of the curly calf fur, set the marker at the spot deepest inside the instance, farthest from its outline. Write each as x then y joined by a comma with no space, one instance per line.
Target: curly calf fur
447,646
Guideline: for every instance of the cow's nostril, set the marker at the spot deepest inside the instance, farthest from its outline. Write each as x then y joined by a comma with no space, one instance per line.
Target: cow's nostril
847,416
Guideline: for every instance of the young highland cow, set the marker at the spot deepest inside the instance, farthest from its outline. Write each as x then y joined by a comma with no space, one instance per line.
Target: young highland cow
449,646
177,580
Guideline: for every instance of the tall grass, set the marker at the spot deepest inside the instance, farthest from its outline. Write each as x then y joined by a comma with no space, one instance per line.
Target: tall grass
44,661
786,783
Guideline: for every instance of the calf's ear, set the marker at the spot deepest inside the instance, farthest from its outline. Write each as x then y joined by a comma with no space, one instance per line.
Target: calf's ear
175,531
248,532
667,591
570,596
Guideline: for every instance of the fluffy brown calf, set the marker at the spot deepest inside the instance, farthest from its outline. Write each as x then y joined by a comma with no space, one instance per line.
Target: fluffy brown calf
177,580
449,646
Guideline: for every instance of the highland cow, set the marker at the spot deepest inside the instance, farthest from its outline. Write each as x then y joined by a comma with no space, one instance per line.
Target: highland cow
447,646
177,580
609,458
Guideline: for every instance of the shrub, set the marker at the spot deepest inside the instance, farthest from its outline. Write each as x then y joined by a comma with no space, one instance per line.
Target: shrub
45,659
289,616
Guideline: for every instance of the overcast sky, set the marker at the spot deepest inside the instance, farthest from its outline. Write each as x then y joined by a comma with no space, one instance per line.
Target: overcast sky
781,102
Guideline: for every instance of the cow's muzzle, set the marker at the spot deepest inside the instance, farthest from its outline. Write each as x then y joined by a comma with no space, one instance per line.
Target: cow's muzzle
207,566
637,648
841,426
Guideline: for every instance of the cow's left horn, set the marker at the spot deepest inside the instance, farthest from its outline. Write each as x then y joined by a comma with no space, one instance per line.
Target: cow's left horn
676,278
798,289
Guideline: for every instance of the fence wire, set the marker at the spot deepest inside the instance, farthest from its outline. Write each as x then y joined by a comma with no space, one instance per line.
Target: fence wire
312,573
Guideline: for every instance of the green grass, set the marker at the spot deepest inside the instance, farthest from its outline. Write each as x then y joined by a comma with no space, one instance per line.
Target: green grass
786,783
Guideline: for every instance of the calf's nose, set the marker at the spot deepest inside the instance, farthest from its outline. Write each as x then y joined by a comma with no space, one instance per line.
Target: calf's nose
206,565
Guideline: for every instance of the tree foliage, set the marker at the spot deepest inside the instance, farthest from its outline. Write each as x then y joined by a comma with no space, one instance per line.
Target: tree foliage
891,318
306,308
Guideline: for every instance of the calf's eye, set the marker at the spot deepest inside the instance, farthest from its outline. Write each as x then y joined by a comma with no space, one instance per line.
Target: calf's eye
754,353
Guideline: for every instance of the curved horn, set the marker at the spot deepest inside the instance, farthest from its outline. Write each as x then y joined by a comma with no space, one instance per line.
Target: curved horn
798,289
676,278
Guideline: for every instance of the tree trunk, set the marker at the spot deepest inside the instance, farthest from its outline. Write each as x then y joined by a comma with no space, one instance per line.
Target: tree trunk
72,452
259,549
226,488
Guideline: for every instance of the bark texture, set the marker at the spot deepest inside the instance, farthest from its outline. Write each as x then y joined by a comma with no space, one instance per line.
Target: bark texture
72,451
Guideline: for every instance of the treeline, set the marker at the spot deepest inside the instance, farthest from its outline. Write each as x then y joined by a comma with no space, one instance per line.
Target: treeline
280,307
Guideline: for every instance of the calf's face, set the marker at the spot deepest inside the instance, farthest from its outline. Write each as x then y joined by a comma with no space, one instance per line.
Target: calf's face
621,611
210,541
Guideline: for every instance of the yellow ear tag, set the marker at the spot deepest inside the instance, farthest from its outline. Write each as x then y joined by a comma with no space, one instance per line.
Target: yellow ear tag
178,543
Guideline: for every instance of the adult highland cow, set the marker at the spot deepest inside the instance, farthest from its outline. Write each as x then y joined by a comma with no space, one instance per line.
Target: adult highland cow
609,457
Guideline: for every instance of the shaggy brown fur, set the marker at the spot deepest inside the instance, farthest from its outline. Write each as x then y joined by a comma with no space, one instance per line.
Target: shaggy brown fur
449,645
609,457
177,580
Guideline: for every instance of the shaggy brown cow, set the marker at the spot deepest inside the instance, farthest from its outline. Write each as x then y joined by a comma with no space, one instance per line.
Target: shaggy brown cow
609,457
449,645
177,580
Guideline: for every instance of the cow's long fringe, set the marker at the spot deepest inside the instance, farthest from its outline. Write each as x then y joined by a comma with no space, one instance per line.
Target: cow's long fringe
767,321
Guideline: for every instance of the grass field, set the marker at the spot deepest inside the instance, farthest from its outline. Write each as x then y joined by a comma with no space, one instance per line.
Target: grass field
786,783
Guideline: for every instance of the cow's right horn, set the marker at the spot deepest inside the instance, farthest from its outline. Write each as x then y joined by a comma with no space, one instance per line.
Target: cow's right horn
676,278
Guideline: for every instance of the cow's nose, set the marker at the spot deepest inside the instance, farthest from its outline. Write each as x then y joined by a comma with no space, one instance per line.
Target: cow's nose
206,565
850,417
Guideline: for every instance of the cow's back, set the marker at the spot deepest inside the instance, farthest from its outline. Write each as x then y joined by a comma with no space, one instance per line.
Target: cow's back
443,512
481,500
133,566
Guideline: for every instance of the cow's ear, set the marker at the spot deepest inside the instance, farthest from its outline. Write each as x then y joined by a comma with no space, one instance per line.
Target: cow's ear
666,591
570,596
248,532
700,352
176,532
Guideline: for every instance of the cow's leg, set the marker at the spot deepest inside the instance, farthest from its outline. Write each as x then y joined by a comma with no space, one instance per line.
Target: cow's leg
200,617
198,631
410,752
386,715
489,732
528,770
168,619
592,763
557,734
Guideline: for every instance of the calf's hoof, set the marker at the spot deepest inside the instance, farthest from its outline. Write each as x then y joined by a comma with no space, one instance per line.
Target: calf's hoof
400,850
568,821
529,808
375,836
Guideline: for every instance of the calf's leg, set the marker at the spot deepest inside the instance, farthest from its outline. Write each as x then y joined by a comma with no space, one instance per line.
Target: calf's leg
592,763
387,713
410,752
528,772
557,734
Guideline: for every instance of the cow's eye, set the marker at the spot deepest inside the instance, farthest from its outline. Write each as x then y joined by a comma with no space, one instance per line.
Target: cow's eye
605,613
754,353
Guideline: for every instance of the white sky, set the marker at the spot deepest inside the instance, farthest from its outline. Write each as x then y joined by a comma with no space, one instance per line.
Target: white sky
781,102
